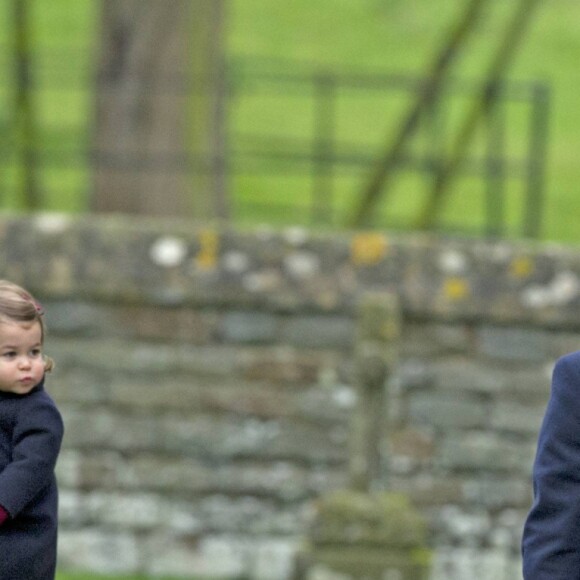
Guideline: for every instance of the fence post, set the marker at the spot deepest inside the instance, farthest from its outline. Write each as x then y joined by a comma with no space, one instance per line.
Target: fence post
323,145
537,159
25,114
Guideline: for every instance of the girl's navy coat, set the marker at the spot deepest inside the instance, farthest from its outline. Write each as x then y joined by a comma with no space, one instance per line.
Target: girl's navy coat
551,538
31,431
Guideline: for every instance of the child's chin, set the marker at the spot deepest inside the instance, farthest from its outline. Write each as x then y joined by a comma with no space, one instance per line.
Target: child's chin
23,389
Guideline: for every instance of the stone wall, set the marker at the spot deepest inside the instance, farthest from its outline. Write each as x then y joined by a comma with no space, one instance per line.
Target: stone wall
205,376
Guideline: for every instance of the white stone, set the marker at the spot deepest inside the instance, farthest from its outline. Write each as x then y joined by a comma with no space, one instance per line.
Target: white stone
236,262
70,507
463,524
274,558
261,281
452,262
459,563
168,252
296,236
182,518
535,296
499,253
322,572
106,552
68,468
167,554
134,511
565,287
52,223
345,397
302,264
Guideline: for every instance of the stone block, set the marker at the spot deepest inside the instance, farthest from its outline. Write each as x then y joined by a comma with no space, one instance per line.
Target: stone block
88,429
135,511
486,451
99,550
195,326
366,535
350,517
249,327
414,373
317,331
446,411
68,468
493,493
232,438
463,374
529,385
251,514
287,365
166,474
458,563
417,445
517,418
76,318
68,384
517,345
426,339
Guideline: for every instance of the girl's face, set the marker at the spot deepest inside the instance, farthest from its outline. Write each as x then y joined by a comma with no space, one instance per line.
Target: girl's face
21,360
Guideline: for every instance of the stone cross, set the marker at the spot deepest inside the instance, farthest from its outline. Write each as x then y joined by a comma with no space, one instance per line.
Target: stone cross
375,355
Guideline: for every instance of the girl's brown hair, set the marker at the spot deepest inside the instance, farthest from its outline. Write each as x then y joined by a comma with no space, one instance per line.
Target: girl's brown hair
18,305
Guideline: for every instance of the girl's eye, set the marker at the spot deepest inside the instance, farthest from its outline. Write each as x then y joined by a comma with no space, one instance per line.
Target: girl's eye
9,354
36,352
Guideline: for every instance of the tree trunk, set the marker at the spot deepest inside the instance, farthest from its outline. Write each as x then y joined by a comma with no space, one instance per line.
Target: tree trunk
145,128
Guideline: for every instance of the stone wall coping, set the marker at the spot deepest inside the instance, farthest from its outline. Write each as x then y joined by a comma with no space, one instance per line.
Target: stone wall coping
180,263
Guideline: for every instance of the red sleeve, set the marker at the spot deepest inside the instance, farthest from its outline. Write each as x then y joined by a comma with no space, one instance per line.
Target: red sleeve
3,515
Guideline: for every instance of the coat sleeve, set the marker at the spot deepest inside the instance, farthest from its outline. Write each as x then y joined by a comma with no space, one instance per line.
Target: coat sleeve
37,437
551,535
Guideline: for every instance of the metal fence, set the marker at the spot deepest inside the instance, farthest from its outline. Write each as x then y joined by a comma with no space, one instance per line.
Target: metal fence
299,143
521,114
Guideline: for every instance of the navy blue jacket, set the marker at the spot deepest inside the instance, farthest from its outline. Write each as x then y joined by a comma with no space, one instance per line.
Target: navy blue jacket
551,536
31,431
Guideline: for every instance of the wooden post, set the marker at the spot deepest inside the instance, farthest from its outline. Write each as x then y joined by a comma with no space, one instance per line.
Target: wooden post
385,166
378,331
25,111
482,105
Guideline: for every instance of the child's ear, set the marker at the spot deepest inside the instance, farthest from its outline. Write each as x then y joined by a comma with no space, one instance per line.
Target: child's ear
48,364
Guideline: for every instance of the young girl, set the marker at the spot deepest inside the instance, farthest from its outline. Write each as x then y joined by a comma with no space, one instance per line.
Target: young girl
31,431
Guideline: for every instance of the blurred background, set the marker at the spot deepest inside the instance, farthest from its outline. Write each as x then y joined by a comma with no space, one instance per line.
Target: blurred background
257,112
288,149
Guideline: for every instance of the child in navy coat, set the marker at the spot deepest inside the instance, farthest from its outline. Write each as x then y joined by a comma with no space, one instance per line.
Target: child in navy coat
31,431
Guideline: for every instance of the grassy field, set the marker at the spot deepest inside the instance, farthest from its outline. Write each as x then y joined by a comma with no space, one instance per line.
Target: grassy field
310,36
400,36
85,576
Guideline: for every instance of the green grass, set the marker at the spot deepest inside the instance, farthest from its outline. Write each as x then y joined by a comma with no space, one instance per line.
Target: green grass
401,36
87,576
373,36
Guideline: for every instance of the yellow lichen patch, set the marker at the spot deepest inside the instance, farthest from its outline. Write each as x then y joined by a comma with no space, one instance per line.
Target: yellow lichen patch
456,288
521,267
368,249
207,256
